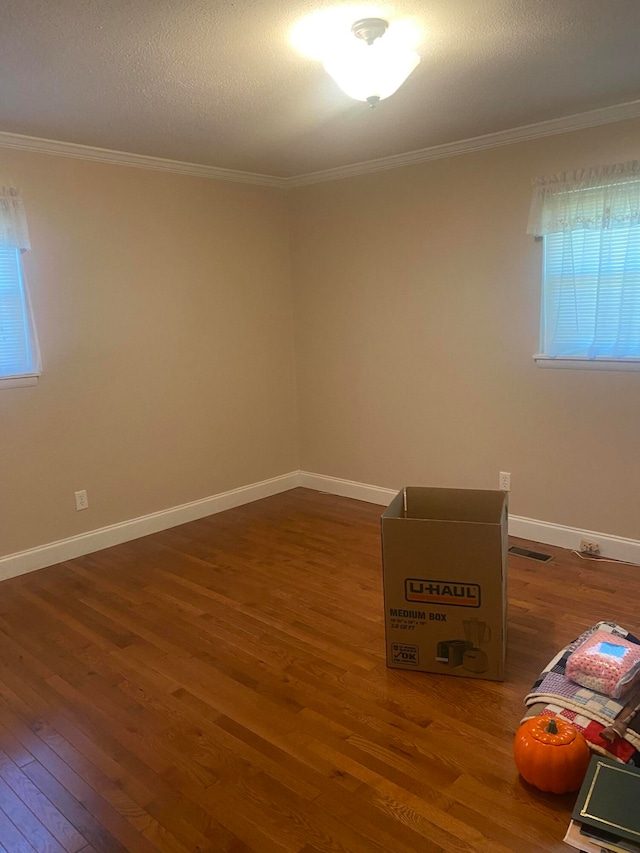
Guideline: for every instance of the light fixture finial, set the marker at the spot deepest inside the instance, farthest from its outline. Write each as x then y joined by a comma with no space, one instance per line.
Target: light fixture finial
369,29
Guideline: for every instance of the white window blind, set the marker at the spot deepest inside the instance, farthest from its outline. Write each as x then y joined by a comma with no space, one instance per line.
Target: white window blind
591,294
590,223
19,353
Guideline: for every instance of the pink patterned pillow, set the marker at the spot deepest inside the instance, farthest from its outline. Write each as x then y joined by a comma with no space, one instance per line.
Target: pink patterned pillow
605,663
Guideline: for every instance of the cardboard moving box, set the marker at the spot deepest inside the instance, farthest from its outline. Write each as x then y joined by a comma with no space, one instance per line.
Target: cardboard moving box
444,556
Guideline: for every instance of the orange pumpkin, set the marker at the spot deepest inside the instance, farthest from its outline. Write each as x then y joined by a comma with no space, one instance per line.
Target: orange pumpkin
551,754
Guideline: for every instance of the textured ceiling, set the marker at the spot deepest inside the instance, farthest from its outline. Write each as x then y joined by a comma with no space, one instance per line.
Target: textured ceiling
219,83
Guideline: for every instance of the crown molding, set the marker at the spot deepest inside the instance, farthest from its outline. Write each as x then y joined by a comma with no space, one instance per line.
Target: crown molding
140,161
578,121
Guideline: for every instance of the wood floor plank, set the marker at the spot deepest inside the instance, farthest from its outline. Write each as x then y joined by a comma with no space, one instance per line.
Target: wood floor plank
73,809
76,785
30,826
10,837
63,831
221,687
11,747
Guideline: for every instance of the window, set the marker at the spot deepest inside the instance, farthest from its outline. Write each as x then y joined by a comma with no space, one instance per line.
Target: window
590,224
19,354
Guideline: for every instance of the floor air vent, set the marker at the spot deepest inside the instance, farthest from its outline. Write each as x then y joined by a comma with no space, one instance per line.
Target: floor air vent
532,555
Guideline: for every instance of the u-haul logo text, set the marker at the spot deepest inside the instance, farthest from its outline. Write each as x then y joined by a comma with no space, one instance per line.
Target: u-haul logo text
455,593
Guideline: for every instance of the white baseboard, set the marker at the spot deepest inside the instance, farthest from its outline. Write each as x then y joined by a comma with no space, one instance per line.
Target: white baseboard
115,534
346,488
615,547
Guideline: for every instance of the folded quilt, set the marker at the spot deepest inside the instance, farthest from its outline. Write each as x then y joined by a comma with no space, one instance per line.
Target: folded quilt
590,712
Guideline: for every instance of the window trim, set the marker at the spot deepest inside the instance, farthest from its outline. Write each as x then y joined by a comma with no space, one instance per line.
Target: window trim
24,380
580,362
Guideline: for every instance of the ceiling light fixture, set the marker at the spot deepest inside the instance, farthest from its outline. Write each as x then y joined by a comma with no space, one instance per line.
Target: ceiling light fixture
368,67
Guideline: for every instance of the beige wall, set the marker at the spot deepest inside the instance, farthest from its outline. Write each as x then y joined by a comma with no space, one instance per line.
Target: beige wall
163,307
417,298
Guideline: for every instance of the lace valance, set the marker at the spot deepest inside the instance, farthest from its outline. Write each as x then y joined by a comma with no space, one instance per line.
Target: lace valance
597,199
13,221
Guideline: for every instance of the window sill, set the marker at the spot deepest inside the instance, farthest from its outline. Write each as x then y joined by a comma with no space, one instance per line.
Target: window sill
19,381
580,363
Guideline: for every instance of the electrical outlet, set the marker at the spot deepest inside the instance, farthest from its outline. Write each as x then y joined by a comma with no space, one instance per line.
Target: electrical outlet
588,546
82,501
505,481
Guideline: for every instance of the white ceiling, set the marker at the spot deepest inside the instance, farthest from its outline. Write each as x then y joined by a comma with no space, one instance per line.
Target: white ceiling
218,82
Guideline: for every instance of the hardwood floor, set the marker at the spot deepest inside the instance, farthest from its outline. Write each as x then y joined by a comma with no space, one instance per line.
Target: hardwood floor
221,686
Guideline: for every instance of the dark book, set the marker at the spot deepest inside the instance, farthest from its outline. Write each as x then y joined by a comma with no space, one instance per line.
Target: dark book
609,799
575,838
609,840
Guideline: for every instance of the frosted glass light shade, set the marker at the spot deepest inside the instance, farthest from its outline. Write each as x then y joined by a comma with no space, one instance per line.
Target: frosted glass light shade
370,71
